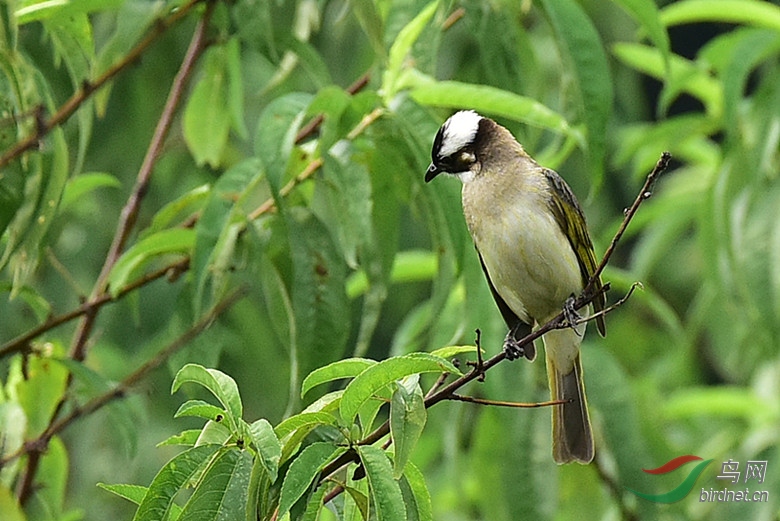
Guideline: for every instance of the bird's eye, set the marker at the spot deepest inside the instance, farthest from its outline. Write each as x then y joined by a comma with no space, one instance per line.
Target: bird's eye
467,158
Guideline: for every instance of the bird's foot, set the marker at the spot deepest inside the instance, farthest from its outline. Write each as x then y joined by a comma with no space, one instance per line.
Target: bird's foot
512,347
571,317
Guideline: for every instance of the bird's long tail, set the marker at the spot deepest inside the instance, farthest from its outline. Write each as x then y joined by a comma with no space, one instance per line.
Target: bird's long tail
572,436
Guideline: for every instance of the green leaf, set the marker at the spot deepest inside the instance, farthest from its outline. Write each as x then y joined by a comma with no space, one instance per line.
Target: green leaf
182,207
43,192
221,492
174,476
581,43
386,496
647,14
200,409
360,499
401,47
52,478
304,419
171,241
276,131
407,421
293,431
320,305
214,433
13,426
414,481
303,470
343,201
72,41
331,102
735,55
371,22
222,386
82,184
346,368
40,392
235,81
451,351
92,384
269,450
42,10
611,389
11,195
749,12
207,118
133,493
379,375
10,507
408,266
729,402
693,79
493,101
215,234
187,438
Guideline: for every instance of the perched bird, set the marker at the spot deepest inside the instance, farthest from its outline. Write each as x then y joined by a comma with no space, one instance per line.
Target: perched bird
533,244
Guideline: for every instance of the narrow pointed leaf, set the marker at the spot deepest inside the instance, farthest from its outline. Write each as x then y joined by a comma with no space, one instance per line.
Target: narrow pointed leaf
158,500
346,368
221,492
303,470
387,501
407,420
222,386
378,376
267,445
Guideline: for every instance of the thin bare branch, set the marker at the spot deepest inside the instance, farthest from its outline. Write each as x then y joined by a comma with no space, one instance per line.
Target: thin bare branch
88,88
40,443
644,194
22,342
124,228
499,403
130,211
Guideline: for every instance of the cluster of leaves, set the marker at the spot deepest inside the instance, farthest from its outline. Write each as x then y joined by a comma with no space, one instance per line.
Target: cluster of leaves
253,471
278,178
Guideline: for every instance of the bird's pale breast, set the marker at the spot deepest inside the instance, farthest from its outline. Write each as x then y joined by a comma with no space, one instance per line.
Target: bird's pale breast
528,258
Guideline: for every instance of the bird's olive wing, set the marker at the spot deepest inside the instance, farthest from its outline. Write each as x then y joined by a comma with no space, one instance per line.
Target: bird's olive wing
571,219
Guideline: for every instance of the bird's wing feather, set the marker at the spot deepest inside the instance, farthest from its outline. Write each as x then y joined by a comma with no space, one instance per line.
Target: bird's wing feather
517,326
577,234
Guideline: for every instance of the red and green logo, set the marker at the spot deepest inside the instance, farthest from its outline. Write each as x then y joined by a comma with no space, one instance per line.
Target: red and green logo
684,488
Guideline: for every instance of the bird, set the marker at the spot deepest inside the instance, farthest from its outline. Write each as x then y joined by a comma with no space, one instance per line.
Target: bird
532,240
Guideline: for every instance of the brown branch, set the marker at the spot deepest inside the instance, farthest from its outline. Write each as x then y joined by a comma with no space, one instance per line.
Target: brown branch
312,126
269,204
22,342
126,223
644,194
88,88
622,300
500,403
560,321
130,211
39,444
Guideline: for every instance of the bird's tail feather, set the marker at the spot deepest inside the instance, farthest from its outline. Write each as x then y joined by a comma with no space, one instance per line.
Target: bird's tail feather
572,436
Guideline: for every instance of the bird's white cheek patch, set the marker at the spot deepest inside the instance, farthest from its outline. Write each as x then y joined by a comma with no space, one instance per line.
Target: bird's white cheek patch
467,176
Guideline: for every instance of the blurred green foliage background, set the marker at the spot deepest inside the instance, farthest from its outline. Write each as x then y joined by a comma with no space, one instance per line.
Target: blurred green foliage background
346,252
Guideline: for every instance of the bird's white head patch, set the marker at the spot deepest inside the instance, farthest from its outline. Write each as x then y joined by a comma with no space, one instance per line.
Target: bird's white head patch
459,131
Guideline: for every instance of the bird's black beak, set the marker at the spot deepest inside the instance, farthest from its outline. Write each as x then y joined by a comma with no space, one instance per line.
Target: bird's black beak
432,172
